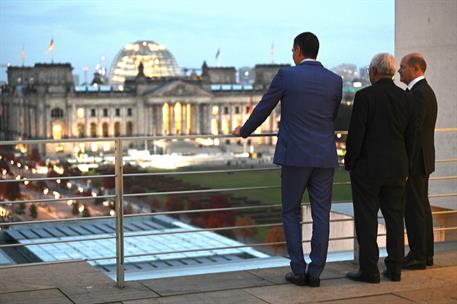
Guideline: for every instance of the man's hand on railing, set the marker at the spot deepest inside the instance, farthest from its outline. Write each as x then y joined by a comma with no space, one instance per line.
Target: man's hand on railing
236,131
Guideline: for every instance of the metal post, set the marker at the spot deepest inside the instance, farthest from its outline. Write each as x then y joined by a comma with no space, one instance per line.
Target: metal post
356,247
119,214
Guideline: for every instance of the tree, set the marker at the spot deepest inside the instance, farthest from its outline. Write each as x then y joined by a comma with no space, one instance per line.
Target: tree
276,234
13,191
86,211
33,211
75,208
21,208
245,232
35,155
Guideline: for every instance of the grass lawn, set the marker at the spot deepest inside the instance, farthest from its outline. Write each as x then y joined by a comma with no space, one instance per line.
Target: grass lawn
260,178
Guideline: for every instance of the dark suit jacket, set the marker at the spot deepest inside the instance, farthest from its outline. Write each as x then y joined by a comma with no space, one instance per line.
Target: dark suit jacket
381,132
310,96
426,110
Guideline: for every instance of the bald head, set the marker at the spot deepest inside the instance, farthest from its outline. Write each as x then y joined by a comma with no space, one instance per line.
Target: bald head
412,66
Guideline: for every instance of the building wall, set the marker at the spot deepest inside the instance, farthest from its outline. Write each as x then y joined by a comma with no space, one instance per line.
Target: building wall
430,27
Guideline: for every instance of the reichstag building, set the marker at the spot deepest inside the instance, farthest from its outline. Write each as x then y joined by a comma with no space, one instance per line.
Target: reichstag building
145,93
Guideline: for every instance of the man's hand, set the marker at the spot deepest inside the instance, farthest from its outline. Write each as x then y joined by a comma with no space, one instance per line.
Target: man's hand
236,131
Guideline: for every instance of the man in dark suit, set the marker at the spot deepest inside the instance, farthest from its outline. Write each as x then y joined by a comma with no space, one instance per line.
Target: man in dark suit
418,214
379,147
310,96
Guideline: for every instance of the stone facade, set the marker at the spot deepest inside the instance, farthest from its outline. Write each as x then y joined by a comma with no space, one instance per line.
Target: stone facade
42,102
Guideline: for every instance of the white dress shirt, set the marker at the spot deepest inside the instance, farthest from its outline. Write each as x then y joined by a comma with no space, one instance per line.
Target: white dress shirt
414,81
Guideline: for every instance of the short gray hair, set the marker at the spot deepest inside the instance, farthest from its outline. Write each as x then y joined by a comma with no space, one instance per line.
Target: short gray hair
384,64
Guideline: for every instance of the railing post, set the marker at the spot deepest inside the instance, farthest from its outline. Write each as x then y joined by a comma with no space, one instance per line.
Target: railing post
119,214
356,247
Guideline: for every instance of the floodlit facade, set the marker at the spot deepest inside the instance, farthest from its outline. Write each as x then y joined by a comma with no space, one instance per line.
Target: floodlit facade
148,96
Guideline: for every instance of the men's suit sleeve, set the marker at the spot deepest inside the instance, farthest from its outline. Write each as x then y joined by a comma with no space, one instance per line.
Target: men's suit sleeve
338,97
265,106
356,133
411,133
419,108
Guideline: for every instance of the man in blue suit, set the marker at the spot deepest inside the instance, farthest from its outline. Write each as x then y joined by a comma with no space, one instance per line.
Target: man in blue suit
310,96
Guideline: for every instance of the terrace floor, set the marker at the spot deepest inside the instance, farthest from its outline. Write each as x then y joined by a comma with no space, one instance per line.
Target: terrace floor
78,282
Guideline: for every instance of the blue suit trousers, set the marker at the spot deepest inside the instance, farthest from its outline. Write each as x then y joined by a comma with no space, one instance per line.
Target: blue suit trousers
318,182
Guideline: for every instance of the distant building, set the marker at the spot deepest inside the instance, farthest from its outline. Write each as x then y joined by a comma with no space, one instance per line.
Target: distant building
148,95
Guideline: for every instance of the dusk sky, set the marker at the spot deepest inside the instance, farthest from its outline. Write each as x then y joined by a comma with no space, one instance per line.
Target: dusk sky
350,31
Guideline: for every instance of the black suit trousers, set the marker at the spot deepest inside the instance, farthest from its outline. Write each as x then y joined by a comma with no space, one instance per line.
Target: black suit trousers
370,195
418,217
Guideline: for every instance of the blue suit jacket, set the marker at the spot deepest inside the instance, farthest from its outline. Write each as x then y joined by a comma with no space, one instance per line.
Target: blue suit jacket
310,96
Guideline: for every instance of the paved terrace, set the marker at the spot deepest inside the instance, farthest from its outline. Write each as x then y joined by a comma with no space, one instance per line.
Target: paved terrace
78,282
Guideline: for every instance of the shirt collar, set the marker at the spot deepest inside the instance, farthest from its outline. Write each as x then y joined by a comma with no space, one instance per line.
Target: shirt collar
307,59
416,80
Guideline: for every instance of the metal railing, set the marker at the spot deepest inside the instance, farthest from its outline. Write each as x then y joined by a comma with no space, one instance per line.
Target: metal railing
119,201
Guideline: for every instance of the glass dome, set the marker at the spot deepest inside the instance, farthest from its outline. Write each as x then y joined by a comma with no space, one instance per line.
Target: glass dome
157,61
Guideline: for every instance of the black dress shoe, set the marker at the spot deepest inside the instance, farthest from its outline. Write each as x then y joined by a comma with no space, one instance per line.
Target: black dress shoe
312,282
393,276
429,261
296,279
363,277
414,264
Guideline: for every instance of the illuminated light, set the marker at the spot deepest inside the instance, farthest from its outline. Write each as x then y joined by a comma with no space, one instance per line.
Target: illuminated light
121,88
19,165
94,147
34,171
80,112
45,191
106,203
357,84
216,142
69,185
12,162
41,170
58,181
26,182
56,194
69,202
214,126
81,208
94,194
58,169
18,177
26,167
215,110
112,213
80,189
338,135
1,157
57,131
106,147
4,171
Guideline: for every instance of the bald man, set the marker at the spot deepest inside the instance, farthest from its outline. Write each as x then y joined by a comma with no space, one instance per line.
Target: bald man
418,215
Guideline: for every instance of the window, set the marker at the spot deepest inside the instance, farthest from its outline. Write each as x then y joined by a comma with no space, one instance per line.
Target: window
117,129
215,110
237,110
105,112
129,112
56,113
80,113
129,128
118,112
80,130
92,113
105,129
248,109
93,129
226,110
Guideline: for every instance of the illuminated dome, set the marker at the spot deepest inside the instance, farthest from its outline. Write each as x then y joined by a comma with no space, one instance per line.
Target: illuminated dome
156,59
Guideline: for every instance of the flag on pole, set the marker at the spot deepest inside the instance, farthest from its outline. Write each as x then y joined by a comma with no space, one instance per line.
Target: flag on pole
22,55
272,52
218,53
51,45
